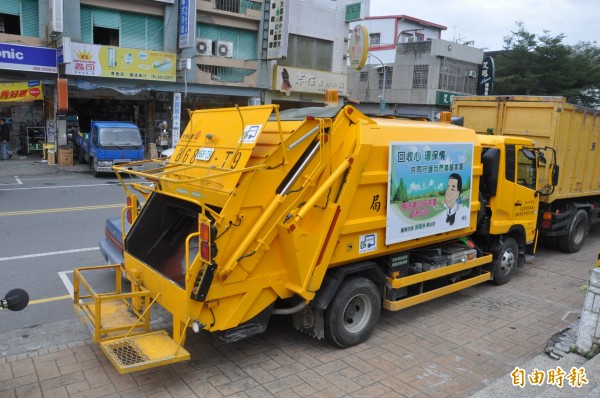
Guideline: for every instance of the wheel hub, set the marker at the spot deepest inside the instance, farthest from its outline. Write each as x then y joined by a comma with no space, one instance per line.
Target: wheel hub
357,314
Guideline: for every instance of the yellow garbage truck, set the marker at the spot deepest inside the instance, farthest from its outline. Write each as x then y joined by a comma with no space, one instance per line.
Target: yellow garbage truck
567,212
323,214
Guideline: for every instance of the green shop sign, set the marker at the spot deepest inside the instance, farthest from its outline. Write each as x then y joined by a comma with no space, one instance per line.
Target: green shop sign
444,98
352,12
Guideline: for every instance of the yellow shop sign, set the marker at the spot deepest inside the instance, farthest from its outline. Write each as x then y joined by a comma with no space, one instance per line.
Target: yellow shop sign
120,63
21,91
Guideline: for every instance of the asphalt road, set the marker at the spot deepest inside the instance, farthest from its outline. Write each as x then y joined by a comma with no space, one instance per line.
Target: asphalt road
49,224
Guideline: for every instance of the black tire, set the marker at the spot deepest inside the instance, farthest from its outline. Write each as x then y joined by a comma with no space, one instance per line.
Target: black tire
506,260
353,312
81,156
93,165
578,229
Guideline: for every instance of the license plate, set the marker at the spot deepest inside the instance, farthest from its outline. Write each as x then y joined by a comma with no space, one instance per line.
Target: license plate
204,153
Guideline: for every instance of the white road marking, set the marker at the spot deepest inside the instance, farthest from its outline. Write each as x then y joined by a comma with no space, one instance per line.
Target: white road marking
67,281
62,186
18,180
87,249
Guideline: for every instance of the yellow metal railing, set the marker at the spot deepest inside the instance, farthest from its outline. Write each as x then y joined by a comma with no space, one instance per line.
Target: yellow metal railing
119,314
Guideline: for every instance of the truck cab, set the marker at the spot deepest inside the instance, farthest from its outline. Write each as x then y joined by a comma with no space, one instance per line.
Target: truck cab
109,143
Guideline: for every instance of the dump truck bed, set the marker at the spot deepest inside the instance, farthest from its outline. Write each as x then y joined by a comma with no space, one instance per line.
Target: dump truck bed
573,131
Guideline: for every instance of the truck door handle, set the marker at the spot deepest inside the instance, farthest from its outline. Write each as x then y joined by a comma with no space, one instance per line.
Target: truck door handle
518,204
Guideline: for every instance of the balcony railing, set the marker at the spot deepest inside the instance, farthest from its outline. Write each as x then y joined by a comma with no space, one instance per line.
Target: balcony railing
416,47
215,74
244,7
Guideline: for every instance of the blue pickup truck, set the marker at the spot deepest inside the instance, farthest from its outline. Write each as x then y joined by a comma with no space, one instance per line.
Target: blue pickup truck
108,144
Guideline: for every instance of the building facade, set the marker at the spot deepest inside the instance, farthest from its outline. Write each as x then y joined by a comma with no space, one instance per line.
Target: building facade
410,70
148,61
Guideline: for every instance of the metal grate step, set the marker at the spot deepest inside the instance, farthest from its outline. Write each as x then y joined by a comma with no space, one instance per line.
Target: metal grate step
149,350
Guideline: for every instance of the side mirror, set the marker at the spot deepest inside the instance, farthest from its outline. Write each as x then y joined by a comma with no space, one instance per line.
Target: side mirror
541,159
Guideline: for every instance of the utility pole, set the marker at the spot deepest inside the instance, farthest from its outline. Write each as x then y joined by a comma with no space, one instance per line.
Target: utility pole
382,102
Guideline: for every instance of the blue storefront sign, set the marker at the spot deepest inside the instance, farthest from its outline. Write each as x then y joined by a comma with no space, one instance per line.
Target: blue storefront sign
26,58
187,23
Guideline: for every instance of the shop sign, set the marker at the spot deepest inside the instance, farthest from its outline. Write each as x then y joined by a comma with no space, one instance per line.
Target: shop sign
444,98
120,63
63,52
56,16
288,80
279,23
353,12
187,23
485,83
27,58
176,132
358,47
21,91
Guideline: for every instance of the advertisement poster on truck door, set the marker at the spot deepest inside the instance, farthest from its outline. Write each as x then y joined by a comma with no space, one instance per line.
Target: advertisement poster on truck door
429,189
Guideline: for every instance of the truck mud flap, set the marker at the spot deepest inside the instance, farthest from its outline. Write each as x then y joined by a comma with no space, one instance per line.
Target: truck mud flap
144,351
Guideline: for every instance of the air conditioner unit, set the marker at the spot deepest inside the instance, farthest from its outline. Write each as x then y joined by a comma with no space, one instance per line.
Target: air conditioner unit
204,46
224,49
472,73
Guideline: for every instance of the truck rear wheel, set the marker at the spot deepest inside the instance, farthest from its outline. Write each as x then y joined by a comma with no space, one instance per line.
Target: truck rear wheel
573,240
505,261
353,312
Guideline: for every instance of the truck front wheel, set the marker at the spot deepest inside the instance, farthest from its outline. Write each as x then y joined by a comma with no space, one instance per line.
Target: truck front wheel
353,312
94,166
505,261
573,240
81,156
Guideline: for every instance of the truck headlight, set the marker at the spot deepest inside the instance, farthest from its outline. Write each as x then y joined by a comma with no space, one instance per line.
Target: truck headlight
105,163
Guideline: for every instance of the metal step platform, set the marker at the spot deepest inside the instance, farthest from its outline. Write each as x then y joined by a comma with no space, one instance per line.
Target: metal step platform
148,350
120,322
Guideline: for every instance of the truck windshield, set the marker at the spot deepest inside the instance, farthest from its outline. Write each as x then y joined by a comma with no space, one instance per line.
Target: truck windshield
120,136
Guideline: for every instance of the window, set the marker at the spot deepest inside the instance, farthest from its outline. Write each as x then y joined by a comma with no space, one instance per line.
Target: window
10,24
388,77
364,76
308,52
420,76
105,36
454,76
120,28
526,168
19,17
374,38
244,41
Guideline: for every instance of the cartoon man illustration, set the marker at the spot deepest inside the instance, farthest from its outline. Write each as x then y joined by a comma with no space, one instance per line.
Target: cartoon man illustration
452,197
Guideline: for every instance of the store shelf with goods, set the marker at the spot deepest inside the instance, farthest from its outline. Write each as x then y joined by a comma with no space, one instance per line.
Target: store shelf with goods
35,138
